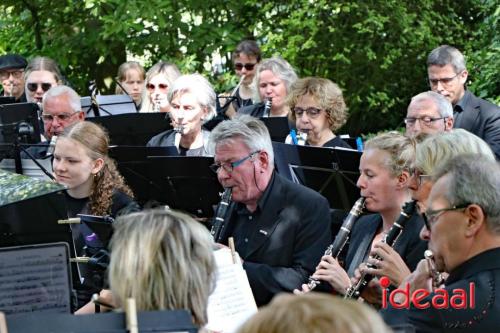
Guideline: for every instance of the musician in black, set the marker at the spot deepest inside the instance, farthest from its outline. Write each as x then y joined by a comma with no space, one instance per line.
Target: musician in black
12,76
384,177
463,229
192,103
280,228
274,78
318,109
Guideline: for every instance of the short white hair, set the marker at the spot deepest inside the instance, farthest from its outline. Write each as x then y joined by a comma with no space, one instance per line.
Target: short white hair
73,98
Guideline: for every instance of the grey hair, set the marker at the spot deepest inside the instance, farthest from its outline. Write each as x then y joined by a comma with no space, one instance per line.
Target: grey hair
250,130
474,179
73,98
280,67
199,86
444,106
164,260
447,55
439,148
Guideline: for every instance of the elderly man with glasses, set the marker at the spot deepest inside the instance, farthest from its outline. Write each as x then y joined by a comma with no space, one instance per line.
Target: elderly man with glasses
463,230
447,75
12,75
280,229
428,112
61,108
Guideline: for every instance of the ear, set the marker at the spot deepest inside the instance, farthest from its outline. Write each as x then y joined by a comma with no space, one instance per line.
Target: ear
404,179
81,115
98,165
463,76
476,219
263,158
448,124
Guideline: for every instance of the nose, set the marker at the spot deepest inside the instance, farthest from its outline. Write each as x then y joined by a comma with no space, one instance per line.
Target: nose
223,175
59,165
413,183
425,234
361,182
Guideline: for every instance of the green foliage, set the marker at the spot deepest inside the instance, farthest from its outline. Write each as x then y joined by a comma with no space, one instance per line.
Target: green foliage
375,50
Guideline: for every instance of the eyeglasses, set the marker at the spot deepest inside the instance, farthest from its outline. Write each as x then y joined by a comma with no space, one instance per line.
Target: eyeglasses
430,216
444,81
161,86
228,167
17,74
63,117
426,120
32,86
311,112
239,66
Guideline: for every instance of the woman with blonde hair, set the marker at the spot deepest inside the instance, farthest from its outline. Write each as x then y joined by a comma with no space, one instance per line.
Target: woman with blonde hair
385,169
314,313
41,74
164,260
159,79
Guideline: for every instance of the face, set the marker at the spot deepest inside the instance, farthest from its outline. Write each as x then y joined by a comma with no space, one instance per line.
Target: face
451,84
39,80
271,86
420,186
446,237
61,115
243,59
376,182
158,90
187,113
314,125
12,82
134,84
421,109
243,178
73,167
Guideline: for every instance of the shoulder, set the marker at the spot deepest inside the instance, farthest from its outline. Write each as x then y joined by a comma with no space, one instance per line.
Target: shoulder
123,204
296,191
254,110
483,105
162,139
337,142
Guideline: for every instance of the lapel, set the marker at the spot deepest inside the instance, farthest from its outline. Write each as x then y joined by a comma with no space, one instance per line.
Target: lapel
270,216
469,117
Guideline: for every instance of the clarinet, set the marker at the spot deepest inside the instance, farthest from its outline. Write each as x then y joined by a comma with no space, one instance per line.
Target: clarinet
267,107
342,237
218,225
390,239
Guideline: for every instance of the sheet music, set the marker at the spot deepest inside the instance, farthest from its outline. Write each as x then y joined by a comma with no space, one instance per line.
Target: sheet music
232,302
34,279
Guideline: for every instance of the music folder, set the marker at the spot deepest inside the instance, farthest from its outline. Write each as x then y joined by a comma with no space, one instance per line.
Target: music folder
108,105
333,172
278,127
133,129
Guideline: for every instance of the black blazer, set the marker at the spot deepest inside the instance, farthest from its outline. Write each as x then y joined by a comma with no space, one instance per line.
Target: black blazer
291,235
480,117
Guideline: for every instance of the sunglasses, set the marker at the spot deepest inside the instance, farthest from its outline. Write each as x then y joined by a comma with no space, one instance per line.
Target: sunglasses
34,86
239,66
161,86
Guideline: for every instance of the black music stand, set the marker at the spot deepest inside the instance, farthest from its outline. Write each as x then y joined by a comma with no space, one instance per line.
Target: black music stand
333,172
133,129
134,164
279,127
7,99
108,105
153,321
187,183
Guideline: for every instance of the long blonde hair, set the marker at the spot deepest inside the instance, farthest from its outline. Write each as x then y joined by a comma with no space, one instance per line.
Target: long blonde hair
164,260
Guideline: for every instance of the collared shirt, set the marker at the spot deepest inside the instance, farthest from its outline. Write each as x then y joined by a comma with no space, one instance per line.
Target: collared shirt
245,226
460,106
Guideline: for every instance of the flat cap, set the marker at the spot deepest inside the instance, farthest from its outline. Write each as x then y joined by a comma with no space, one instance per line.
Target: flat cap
12,61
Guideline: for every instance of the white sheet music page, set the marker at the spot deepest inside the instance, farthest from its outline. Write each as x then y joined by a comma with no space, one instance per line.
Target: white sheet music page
232,302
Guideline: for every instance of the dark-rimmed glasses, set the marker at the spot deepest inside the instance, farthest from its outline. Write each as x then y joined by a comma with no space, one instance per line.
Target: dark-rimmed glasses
430,216
152,87
311,112
16,74
239,66
228,167
426,120
63,117
33,86
444,81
